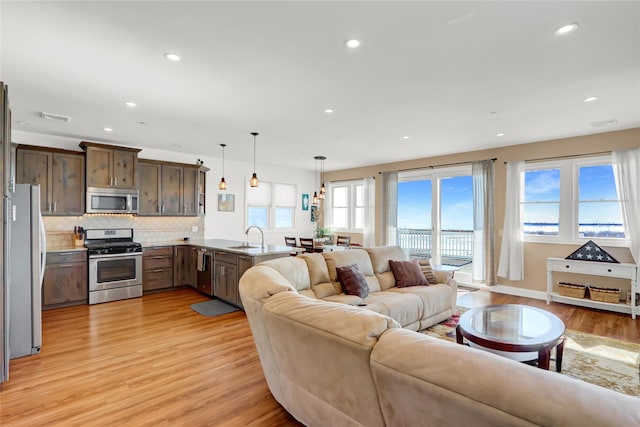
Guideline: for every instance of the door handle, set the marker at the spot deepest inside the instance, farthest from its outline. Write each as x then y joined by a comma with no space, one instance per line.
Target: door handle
65,265
115,179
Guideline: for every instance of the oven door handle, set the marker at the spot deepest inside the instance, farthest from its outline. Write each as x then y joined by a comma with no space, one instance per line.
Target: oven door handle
124,255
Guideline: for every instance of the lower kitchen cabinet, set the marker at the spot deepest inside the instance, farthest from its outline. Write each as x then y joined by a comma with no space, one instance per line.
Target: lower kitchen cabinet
184,267
157,268
225,277
65,280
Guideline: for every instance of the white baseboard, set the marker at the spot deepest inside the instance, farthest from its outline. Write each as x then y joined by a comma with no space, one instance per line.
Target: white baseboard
511,290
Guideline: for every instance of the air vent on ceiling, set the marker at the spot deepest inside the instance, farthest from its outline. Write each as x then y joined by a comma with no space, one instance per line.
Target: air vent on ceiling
603,123
56,117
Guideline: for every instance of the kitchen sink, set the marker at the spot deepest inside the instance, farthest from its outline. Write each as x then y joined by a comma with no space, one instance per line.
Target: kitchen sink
243,247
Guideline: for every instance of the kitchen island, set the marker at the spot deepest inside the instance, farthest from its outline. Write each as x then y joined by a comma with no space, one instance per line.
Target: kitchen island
212,266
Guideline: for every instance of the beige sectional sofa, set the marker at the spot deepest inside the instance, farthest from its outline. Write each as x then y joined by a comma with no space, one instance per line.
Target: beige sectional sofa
330,363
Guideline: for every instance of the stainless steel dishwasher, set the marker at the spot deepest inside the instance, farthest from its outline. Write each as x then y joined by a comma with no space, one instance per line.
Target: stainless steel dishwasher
204,270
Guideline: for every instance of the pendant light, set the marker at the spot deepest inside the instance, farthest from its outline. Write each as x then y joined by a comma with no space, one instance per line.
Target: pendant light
253,182
315,199
323,189
222,185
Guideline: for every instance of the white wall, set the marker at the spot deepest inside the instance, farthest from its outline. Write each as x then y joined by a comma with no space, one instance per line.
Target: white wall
219,225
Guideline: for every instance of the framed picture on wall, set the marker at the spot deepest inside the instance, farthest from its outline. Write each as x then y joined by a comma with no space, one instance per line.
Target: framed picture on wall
314,213
305,202
226,202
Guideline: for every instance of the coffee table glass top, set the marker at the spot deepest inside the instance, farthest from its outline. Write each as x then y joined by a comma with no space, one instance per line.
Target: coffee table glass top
512,324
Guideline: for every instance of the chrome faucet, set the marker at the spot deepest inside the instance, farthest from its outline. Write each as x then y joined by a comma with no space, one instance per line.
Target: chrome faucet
261,234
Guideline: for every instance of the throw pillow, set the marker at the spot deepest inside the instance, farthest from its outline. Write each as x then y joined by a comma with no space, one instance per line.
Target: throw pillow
427,270
352,281
407,273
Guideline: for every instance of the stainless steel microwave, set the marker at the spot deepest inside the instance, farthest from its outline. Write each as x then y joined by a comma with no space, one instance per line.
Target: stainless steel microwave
112,200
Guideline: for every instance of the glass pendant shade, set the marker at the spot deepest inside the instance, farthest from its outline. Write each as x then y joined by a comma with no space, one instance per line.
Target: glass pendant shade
253,182
315,198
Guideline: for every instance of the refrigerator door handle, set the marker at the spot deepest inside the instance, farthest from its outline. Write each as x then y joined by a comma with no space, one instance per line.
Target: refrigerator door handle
43,248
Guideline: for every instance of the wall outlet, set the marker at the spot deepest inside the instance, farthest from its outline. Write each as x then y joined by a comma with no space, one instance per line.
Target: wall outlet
194,229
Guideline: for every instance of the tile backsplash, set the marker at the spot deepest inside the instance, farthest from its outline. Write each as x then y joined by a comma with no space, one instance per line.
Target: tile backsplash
146,230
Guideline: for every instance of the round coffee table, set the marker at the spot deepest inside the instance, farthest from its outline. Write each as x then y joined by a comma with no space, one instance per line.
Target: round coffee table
519,332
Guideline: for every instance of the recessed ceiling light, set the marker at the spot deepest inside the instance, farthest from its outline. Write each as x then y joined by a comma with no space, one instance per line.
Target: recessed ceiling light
108,129
353,43
500,134
23,123
405,137
175,146
130,104
566,29
591,99
142,123
328,110
172,56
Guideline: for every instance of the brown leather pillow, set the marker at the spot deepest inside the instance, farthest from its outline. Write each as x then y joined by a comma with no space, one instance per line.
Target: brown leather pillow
407,273
427,270
352,281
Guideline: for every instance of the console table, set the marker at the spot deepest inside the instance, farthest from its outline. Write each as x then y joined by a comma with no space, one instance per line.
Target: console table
621,270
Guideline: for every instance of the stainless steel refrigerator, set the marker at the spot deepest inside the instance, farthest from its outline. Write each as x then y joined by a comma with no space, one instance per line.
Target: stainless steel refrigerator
27,253
5,177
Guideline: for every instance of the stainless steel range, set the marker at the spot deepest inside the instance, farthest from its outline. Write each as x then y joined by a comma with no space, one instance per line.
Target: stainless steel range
115,265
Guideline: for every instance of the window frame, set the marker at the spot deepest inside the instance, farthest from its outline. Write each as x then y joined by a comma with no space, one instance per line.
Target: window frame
351,204
568,232
272,207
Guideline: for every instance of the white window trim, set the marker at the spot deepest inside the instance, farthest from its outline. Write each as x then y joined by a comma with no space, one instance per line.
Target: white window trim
351,207
569,208
271,208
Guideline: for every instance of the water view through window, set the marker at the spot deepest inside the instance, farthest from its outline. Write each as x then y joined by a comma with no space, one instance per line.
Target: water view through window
454,227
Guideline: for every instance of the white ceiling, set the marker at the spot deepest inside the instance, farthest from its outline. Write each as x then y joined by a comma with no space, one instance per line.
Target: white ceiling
434,71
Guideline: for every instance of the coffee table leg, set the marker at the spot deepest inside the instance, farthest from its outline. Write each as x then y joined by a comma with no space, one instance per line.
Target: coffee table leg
544,354
559,351
459,338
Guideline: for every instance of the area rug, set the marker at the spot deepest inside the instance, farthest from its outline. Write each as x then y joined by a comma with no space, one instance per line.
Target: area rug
214,307
606,362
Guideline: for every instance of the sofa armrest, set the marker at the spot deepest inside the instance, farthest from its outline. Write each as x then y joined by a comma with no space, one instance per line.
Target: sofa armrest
446,277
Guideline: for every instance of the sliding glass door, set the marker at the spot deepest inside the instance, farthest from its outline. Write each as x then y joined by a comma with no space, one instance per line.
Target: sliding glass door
435,216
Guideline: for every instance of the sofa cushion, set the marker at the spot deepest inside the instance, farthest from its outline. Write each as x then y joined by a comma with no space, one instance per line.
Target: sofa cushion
405,308
380,257
427,270
348,257
319,280
407,273
294,269
353,283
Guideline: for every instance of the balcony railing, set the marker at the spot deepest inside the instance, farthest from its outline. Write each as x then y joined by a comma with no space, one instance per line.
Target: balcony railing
456,246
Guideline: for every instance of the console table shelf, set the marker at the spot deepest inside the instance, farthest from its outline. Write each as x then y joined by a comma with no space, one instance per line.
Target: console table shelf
621,270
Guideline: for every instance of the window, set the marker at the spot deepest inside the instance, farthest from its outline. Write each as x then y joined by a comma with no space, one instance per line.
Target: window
348,206
271,209
435,214
572,199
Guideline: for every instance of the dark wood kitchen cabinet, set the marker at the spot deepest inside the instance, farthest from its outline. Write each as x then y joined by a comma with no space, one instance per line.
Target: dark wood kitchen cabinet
60,174
184,267
225,276
170,189
65,280
111,167
157,268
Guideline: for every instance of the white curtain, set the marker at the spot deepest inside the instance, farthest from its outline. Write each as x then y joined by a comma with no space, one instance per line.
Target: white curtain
327,206
627,173
369,236
483,240
389,209
512,249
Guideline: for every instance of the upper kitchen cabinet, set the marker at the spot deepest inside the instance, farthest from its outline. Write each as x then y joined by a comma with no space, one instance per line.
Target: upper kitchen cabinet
109,166
171,189
59,173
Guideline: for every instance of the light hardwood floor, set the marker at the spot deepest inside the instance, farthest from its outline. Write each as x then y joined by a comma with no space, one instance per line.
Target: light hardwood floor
153,361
